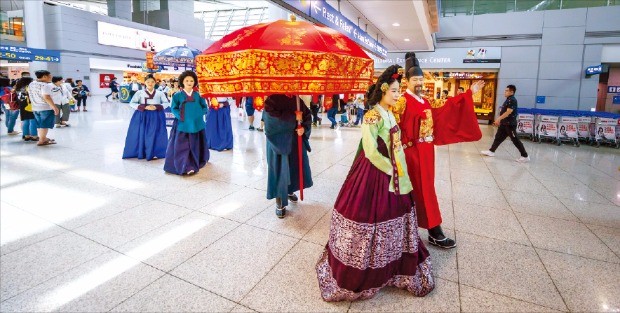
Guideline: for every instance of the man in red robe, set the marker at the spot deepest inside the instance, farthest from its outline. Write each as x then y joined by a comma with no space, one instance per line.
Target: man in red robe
423,127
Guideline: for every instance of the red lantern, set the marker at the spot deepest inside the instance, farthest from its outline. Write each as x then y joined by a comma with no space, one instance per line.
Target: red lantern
328,104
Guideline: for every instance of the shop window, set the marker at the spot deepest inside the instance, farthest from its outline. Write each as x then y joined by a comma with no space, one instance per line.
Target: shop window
12,25
537,5
457,7
496,6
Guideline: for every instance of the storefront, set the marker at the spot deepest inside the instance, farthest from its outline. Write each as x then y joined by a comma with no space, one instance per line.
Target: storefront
103,70
451,68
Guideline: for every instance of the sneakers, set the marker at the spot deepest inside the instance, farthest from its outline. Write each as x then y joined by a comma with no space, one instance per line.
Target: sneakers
252,127
293,198
488,153
14,133
523,159
260,129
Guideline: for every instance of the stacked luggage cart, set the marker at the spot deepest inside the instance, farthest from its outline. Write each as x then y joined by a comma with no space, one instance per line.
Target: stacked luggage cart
567,126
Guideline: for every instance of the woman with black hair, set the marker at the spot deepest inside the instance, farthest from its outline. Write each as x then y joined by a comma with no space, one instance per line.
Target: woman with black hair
187,148
373,239
29,124
147,136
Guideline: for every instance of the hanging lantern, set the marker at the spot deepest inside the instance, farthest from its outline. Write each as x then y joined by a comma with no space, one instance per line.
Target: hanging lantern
214,104
259,103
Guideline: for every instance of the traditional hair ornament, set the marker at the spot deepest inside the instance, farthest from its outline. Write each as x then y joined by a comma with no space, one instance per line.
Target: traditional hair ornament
385,87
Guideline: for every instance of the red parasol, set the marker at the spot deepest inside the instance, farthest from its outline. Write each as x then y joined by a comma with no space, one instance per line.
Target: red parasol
284,57
288,57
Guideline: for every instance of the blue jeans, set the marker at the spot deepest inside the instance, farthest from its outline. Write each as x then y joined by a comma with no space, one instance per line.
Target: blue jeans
360,116
11,117
29,128
331,115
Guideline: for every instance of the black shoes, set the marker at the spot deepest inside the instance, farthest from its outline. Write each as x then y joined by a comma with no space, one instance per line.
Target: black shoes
293,198
280,210
437,238
252,127
445,243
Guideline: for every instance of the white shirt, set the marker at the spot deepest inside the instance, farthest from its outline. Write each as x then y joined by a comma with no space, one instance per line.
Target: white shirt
141,96
36,91
66,91
57,94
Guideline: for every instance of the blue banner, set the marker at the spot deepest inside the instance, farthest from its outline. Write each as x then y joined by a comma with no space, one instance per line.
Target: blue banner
330,17
302,5
29,54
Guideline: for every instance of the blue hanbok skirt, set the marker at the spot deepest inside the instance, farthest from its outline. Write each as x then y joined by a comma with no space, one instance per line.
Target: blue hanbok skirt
219,129
186,151
147,136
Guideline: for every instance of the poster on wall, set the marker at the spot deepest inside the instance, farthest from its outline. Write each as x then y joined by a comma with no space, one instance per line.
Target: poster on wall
105,79
125,37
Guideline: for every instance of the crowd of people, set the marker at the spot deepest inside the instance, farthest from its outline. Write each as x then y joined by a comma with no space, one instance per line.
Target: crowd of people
389,192
41,104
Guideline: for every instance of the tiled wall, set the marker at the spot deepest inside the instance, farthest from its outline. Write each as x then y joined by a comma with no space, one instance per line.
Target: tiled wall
553,66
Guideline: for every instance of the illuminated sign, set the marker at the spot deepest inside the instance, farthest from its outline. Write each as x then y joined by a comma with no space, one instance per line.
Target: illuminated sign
125,37
593,70
13,53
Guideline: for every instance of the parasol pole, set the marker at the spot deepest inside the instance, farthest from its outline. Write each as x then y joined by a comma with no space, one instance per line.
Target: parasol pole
299,151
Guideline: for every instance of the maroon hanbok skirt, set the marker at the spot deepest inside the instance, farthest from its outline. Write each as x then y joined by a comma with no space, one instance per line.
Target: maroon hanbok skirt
373,239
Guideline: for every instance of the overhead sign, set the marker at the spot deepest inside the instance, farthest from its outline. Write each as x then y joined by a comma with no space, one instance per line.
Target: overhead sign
482,55
13,53
616,100
593,70
540,99
328,16
125,37
325,14
445,58
613,89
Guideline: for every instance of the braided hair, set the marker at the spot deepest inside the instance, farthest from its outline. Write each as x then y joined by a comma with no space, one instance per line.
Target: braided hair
389,76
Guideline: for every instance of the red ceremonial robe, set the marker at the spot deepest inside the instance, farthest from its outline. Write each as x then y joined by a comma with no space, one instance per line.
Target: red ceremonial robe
422,127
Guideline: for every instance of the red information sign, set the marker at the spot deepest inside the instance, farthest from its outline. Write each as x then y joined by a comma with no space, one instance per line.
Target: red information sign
104,80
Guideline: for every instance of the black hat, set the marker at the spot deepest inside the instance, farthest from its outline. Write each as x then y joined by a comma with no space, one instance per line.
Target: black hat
412,66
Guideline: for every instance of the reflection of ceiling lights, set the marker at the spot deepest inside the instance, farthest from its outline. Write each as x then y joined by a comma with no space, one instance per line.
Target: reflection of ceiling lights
407,39
395,24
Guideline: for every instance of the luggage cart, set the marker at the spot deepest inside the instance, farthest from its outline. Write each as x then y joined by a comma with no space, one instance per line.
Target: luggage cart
606,132
567,130
583,128
547,128
525,125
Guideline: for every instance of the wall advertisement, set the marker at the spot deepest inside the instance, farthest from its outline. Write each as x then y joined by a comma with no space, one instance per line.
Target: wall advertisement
126,37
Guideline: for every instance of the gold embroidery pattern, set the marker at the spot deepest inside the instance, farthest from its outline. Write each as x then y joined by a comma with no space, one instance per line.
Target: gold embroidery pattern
372,117
398,108
262,72
235,42
420,284
363,245
293,37
340,42
426,125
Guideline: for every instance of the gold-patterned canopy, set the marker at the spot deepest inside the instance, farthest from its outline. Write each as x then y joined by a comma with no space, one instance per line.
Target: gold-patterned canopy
290,57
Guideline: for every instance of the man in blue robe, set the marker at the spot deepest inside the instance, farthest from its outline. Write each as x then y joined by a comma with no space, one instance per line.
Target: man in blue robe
282,149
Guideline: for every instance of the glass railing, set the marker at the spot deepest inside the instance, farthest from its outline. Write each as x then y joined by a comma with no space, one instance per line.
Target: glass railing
476,7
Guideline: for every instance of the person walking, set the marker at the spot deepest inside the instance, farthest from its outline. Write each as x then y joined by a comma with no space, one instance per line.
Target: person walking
373,238
113,90
282,148
29,124
10,106
507,126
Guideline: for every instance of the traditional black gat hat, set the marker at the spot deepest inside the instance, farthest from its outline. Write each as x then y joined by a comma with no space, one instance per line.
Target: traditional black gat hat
412,66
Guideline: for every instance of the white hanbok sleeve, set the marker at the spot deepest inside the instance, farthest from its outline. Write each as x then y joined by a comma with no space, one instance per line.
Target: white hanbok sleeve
135,100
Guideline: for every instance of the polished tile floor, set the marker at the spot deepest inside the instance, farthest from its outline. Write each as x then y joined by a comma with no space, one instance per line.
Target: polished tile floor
83,230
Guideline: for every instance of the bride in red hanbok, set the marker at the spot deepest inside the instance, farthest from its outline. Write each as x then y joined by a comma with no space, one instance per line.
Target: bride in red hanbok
374,240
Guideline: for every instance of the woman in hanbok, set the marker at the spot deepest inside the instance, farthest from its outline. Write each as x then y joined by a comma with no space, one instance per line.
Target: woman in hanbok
283,149
374,240
219,127
187,149
147,136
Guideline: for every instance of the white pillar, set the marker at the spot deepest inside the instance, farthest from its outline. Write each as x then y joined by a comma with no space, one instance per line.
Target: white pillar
35,30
